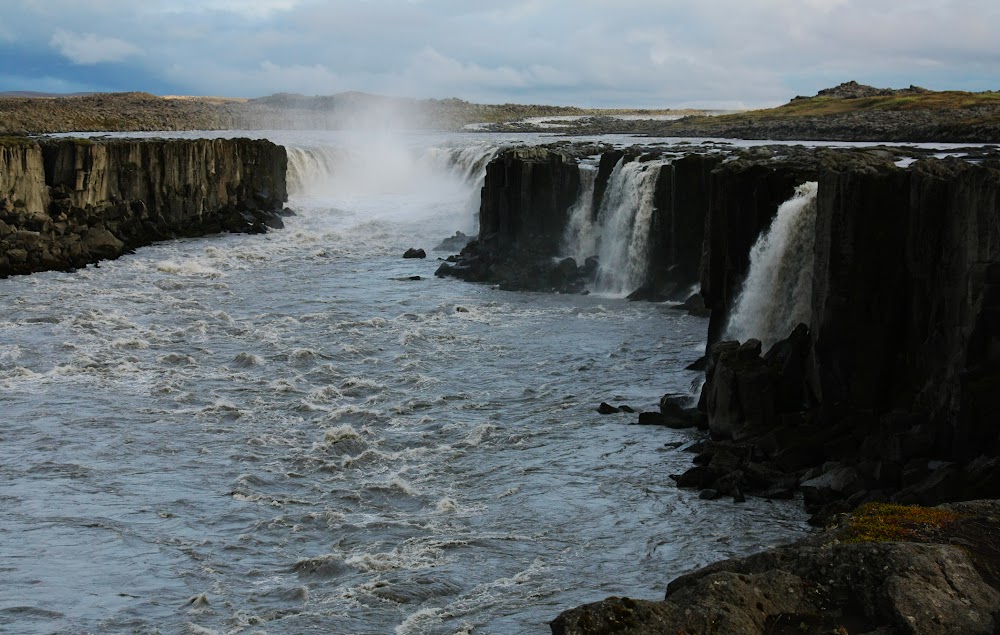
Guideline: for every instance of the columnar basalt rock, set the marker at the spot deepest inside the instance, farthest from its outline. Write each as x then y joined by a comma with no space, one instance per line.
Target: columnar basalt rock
897,386
888,391
890,383
526,199
66,203
678,227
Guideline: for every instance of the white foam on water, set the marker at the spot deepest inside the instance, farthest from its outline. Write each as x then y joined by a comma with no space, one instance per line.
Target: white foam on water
188,268
446,505
412,555
420,621
373,423
341,433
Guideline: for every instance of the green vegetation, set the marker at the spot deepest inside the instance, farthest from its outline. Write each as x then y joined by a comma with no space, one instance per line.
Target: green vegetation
15,140
944,100
887,522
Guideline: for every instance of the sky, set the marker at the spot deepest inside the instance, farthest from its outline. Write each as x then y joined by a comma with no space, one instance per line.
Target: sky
592,53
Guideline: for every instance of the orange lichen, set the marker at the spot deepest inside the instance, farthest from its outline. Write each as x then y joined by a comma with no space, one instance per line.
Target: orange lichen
887,522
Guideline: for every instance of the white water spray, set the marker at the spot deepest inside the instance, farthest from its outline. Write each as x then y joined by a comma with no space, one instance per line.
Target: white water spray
580,238
390,180
620,236
777,293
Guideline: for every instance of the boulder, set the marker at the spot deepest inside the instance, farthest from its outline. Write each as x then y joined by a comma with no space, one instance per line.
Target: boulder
607,409
453,244
819,585
414,253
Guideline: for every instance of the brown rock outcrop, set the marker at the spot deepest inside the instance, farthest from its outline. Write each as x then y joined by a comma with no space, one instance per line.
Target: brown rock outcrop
66,203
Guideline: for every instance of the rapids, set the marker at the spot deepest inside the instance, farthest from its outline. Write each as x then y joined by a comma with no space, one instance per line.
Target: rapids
286,434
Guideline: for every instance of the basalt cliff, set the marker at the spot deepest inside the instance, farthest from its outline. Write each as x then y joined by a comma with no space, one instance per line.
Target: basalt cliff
65,203
884,392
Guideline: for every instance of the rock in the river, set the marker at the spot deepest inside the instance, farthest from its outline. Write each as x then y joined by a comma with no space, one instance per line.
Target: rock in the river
607,409
454,244
413,252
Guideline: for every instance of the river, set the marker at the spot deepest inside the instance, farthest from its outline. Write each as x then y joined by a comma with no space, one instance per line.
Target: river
285,433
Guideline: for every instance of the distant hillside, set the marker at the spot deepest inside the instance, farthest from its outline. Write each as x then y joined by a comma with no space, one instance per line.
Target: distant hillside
850,111
34,94
99,112
144,112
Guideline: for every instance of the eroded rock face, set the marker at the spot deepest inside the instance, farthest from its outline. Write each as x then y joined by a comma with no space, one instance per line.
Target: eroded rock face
67,203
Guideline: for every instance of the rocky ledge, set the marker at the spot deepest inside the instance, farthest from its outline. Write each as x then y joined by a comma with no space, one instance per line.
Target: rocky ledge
887,570
65,203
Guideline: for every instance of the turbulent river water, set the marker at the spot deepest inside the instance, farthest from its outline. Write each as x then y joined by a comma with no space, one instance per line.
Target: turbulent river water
286,434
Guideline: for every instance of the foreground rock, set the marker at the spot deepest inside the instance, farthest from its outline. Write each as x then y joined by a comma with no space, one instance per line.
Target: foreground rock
67,203
942,581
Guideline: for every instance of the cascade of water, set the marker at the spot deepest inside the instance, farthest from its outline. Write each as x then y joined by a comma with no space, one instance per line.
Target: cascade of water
317,169
310,167
626,214
620,235
581,235
777,293
467,162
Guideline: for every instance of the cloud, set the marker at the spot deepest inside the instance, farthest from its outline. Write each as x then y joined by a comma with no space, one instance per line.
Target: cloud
584,52
87,48
253,9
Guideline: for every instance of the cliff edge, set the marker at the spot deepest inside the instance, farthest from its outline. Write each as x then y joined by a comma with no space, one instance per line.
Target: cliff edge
65,203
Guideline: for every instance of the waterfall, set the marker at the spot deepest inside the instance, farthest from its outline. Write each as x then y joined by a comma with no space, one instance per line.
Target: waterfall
777,293
581,236
620,235
467,162
308,168
383,167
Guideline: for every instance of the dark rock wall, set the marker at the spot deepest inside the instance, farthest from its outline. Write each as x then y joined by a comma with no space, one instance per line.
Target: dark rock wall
525,198
904,298
66,203
899,365
678,225
891,389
